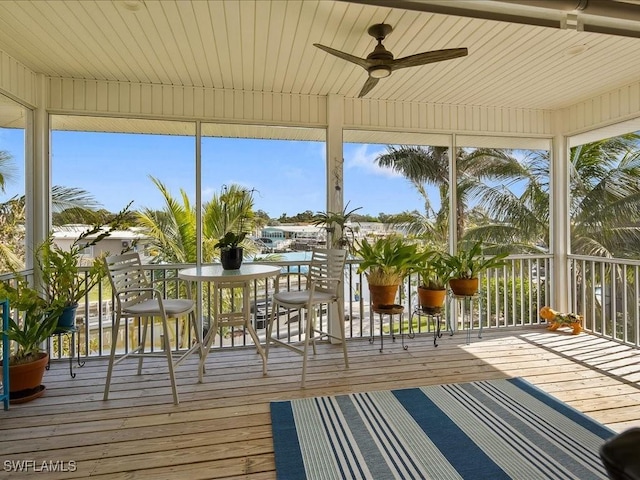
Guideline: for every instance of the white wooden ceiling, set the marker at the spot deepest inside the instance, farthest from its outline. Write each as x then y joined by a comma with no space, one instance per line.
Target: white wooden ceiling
263,45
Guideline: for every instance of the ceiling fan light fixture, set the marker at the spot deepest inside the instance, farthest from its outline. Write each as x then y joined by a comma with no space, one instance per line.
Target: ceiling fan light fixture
576,50
132,5
379,71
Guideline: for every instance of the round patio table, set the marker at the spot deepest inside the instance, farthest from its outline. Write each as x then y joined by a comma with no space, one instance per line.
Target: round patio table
230,279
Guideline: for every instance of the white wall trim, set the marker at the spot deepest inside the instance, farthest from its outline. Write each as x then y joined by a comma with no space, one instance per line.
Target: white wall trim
17,81
93,97
610,108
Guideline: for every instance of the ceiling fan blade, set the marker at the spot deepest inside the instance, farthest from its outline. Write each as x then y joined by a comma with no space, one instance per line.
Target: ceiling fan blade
427,57
363,62
368,85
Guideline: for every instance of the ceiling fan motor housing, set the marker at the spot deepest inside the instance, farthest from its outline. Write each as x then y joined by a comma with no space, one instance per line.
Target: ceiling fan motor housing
380,30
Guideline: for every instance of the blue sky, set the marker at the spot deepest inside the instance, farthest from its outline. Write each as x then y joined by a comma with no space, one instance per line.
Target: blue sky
289,176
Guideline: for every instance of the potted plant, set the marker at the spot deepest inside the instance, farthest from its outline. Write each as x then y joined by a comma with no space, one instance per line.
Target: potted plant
434,275
36,322
62,281
231,253
342,235
385,263
236,214
466,265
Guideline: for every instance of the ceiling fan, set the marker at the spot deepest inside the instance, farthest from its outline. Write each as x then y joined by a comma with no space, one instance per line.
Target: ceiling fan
380,63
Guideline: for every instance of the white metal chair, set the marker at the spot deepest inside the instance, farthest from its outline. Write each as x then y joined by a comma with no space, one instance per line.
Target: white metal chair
136,297
323,284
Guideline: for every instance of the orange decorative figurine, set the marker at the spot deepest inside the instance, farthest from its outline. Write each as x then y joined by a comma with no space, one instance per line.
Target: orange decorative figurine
557,320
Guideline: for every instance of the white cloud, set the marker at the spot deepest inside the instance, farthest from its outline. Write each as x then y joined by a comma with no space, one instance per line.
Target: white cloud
363,158
207,193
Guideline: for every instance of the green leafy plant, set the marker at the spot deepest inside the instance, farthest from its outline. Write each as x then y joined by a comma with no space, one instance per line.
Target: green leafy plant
470,263
337,221
387,260
38,319
61,277
237,214
433,269
230,240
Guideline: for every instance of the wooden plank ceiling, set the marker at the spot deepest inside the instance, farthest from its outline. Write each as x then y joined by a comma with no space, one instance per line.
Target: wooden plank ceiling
267,46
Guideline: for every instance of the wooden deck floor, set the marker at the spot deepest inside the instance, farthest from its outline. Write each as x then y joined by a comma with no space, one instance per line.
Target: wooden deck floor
222,428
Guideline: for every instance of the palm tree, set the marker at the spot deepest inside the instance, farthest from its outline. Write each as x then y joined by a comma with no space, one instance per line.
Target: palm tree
72,199
518,221
430,166
604,207
229,211
605,197
604,188
12,214
7,169
172,230
12,245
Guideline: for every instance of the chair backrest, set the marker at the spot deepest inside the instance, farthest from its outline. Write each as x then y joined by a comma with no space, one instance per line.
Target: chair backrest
326,269
126,273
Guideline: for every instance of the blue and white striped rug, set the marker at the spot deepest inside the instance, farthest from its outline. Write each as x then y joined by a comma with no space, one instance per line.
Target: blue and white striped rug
481,430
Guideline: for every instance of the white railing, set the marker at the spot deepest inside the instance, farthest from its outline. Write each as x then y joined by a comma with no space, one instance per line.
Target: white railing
606,292
510,296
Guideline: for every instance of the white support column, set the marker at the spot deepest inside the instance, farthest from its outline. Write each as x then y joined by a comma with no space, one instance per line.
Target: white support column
198,181
199,259
335,160
454,310
453,196
38,174
335,177
560,228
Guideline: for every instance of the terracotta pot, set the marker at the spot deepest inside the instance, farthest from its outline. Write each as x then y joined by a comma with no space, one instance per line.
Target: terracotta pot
383,294
431,300
27,376
464,286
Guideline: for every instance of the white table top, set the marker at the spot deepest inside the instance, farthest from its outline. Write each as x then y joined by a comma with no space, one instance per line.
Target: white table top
215,273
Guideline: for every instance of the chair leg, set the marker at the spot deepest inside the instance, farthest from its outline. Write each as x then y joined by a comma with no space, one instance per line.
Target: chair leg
114,342
143,342
311,312
167,351
184,332
305,351
342,334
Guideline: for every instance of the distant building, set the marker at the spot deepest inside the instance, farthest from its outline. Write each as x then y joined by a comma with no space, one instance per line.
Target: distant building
295,237
373,228
116,242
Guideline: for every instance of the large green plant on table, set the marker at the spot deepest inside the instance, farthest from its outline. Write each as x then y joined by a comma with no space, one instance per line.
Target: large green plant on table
237,219
385,262
466,265
60,270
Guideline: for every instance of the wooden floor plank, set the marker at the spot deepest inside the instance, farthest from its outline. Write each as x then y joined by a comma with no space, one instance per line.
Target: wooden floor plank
222,427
